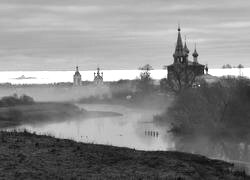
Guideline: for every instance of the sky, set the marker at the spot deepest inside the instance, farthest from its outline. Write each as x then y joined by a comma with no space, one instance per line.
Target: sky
120,34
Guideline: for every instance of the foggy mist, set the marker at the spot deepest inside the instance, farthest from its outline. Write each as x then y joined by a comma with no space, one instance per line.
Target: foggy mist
45,93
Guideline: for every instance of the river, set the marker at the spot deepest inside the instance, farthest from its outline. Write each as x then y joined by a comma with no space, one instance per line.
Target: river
134,129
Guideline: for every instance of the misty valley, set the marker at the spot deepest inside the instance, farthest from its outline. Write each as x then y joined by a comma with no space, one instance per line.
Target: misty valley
126,114
102,115
126,90
119,126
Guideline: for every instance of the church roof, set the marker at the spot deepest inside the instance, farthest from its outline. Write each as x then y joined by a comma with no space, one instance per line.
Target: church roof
98,75
77,73
182,51
195,54
195,63
186,48
190,63
179,45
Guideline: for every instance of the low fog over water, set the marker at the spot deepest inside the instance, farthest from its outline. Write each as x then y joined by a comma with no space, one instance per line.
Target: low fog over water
133,129
56,93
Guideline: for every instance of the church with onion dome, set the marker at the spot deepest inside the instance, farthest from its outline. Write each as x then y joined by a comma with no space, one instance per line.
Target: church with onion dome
98,77
77,78
181,57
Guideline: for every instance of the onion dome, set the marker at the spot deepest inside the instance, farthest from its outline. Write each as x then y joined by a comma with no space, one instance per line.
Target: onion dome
77,72
195,54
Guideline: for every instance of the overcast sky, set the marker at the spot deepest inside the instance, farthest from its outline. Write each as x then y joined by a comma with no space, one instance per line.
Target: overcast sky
120,34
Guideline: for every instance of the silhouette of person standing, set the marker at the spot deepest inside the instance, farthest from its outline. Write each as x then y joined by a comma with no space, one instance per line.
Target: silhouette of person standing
206,69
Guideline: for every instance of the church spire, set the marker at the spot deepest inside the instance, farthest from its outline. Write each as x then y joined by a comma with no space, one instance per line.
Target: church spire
195,54
98,70
186,50
77,79
178,54
179,45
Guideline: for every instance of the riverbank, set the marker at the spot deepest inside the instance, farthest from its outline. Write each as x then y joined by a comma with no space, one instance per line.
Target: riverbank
43,112
29,156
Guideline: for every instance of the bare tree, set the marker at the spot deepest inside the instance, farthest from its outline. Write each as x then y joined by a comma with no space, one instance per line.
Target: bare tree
145,74
145,83
181,77
240,66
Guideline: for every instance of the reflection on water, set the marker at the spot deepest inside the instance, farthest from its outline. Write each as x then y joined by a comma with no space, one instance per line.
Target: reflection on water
134,129
217,148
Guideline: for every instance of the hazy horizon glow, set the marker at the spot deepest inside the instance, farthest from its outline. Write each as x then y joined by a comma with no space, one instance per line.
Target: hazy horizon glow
120,34
47,77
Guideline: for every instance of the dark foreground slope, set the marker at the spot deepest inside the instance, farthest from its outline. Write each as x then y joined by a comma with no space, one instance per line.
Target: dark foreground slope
29,156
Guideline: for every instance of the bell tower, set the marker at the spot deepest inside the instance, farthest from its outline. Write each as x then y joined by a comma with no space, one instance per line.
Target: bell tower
180,54
77,79
195,55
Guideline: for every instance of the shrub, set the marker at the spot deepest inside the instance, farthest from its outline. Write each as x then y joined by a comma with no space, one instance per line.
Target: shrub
15,100
221,109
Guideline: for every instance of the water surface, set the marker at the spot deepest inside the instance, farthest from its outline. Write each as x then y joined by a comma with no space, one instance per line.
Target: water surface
134,129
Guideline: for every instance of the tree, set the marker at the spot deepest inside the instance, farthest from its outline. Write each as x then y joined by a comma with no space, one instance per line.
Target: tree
145,74
147,67
181,77
240,66
145,83
26,99
164,85
15,100
226,66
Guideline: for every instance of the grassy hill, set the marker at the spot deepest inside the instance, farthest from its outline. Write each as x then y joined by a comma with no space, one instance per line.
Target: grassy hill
30,156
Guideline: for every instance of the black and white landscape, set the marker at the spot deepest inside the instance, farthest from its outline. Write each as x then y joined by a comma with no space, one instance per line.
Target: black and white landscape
122,89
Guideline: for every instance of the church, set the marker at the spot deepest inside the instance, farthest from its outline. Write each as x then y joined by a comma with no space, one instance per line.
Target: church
98,77
77,78
181,55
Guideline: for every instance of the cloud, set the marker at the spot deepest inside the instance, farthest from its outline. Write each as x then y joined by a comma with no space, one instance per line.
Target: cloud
73,9
119,33
235,24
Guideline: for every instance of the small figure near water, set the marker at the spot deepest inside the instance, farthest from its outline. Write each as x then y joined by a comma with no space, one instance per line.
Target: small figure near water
206,69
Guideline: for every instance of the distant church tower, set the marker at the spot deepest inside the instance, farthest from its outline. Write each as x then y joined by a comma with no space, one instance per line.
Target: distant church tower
98,77
181,52
77,78
195,55
181,58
